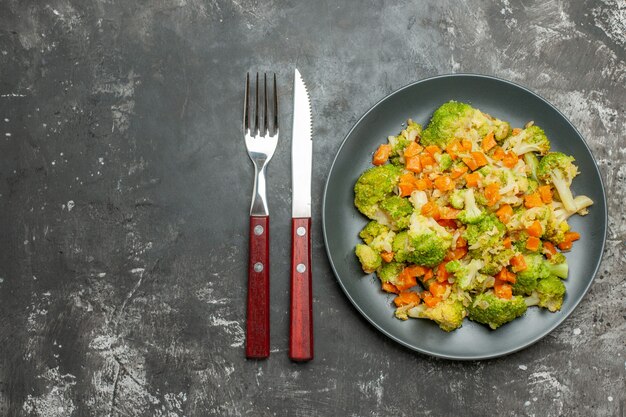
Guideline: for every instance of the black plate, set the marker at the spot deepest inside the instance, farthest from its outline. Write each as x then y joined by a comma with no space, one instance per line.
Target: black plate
342,222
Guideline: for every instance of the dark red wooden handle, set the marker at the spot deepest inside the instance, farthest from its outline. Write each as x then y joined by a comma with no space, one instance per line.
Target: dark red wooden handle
258,320
301,323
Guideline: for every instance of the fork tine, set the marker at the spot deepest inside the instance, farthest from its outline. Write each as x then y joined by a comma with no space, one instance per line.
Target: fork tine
246,107
275,106
265,127
256,106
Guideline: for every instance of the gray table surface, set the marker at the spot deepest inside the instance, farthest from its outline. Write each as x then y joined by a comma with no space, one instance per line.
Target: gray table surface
125,186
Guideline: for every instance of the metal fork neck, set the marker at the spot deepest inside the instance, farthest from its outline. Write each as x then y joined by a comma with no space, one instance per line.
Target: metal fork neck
259,193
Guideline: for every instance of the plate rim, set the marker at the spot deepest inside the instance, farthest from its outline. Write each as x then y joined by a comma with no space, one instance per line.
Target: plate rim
505,352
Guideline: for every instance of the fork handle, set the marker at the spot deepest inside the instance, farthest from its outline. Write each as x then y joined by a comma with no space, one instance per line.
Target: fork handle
258,313
301,318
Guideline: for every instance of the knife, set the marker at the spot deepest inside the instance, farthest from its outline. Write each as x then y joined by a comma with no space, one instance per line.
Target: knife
301,308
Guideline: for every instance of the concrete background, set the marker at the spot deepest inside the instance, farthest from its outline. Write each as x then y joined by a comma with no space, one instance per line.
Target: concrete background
125,186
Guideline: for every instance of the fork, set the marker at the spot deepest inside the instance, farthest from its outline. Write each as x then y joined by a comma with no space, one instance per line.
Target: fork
260,145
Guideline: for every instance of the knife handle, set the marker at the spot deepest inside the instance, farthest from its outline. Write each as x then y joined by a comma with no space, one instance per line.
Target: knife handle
258,313
301,319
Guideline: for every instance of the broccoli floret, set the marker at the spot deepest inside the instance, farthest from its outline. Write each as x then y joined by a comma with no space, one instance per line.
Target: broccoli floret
372,230
399,209
537,268
532,162
445,162
501,129
378,236
370,259
555,230
526,280
429,240
551,291
472,213
448,314
401,245
558,169
466,274
549,294
558,269
488,232
488,309
446,121
373,186
389,272
457,198
531,139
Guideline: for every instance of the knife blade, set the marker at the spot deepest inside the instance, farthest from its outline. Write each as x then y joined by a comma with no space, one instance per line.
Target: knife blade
301,306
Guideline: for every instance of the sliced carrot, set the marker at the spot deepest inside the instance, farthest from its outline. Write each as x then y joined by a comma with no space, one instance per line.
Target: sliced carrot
510,159
470,163
492,194
489,141
460,242
405,280
546,194
457,172
503,291
442,273
516,131
566,245
504,213
535,229
572,236
413,164
407,184
453,148
382,154
507,242
438,289
416,270
466,144
498,154
408,177
518,263
431,209
429,299
389,287
549,249
444,183
406,298
479,158
446,222
505,276
427,159
423,184
387,256
471,180
412,150
433,149
533,200
532,243
448,213
406,189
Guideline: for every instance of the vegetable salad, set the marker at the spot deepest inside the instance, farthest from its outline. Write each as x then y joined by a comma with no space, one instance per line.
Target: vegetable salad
468,219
